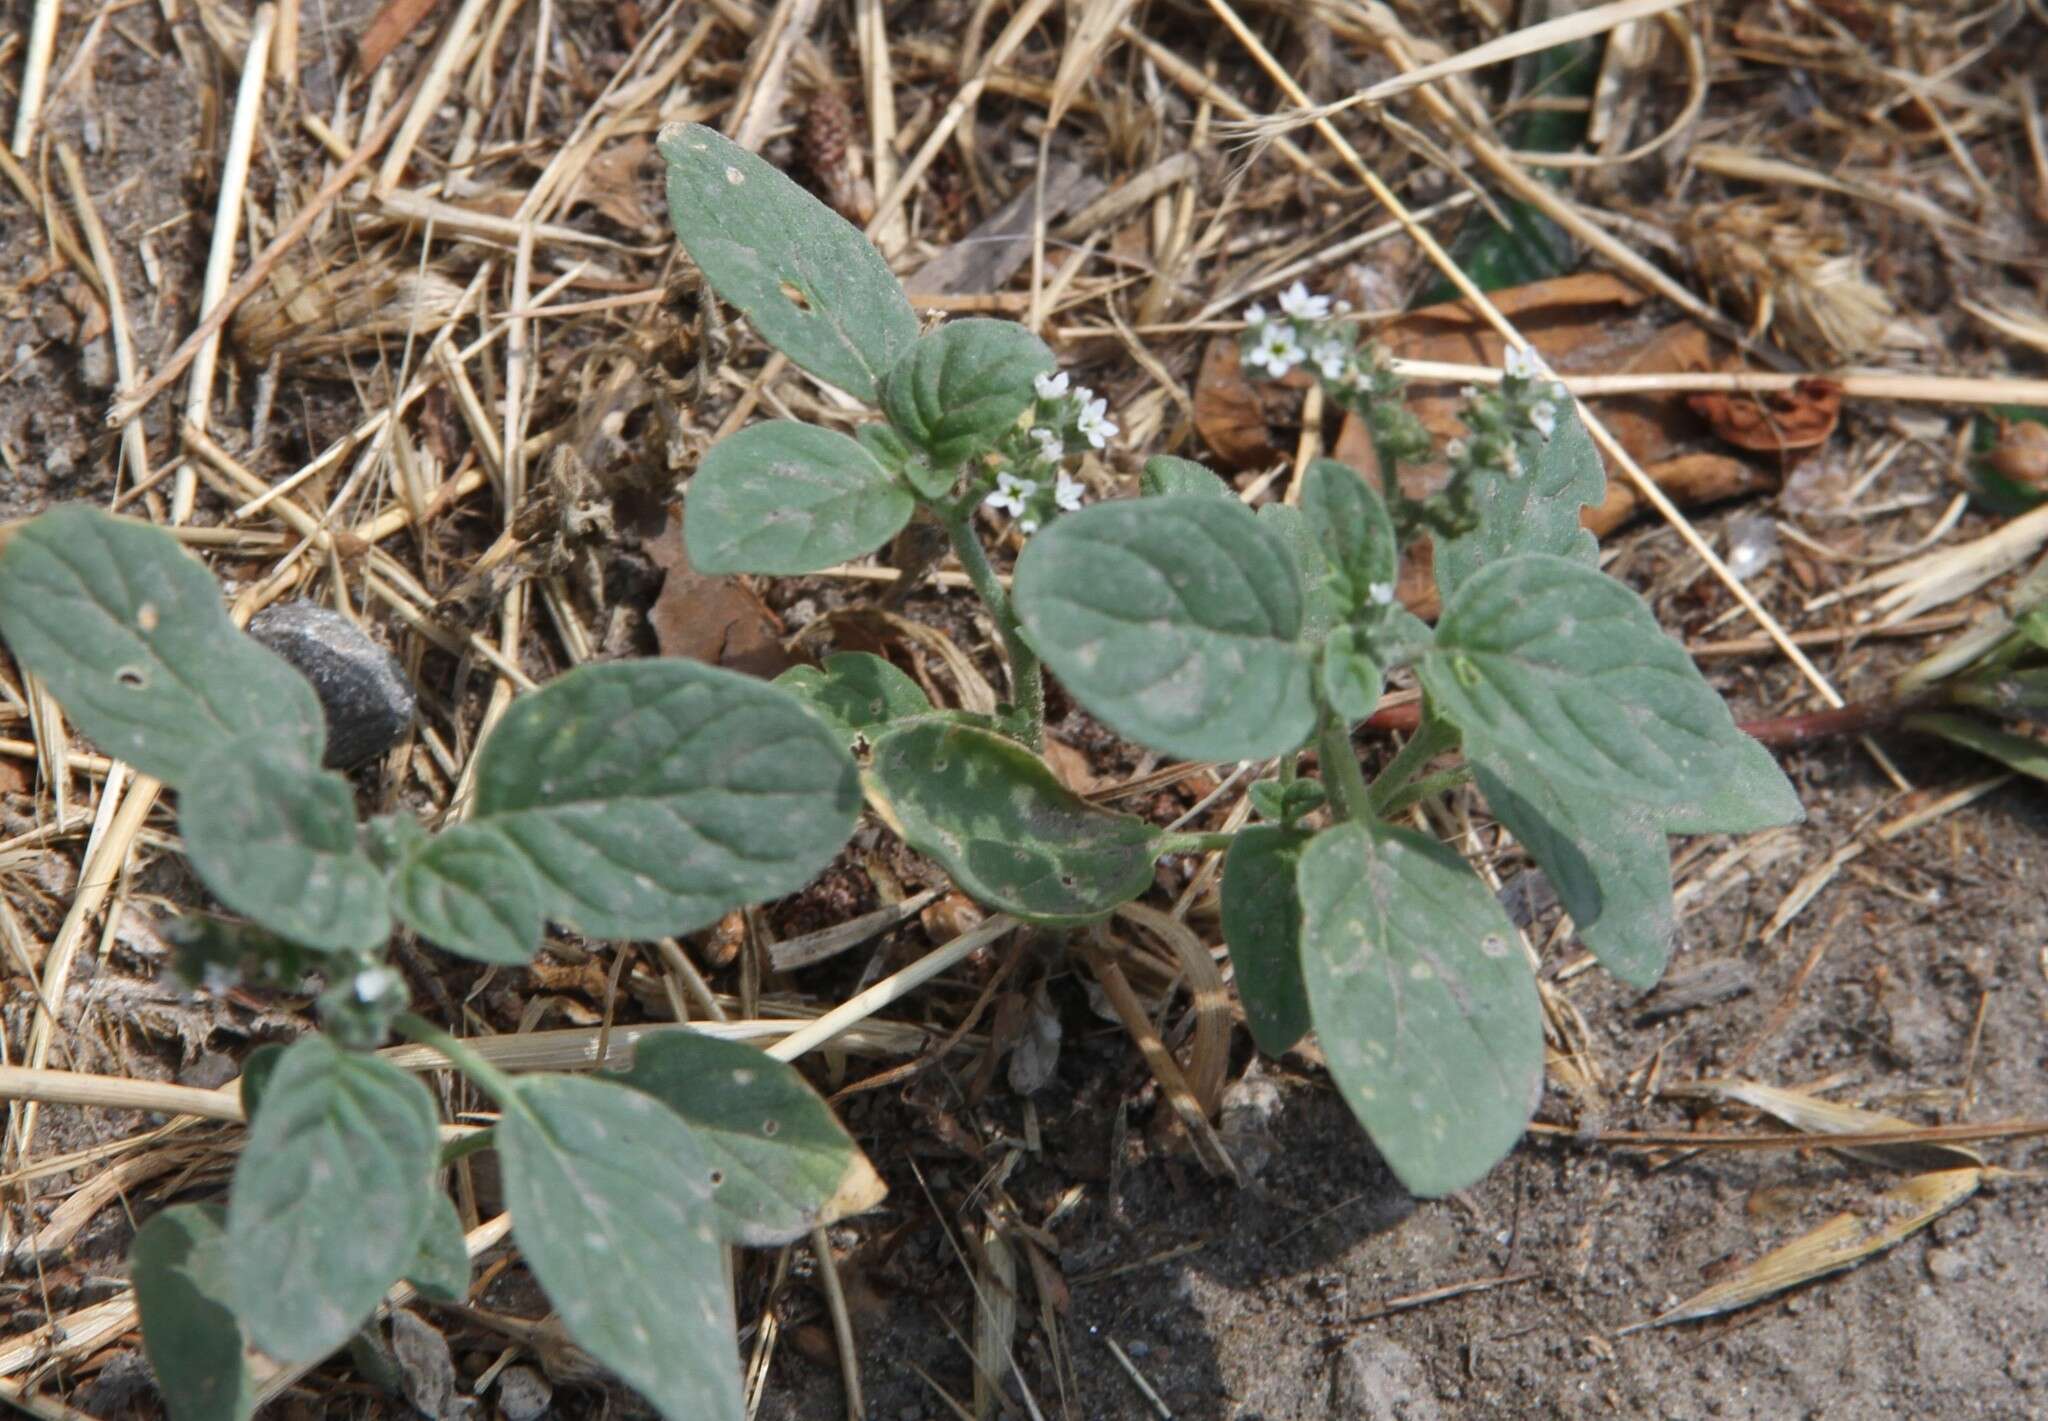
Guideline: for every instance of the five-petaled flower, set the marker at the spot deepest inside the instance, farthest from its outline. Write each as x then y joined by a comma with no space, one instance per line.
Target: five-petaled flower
1524,364
1094,423
1276,350
1012,494
1067,492
1051,447
1331,357
1298,302
1051,386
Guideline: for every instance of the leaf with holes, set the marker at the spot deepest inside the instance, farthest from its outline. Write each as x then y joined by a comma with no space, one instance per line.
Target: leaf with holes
331,1195
1262,925
960,388
1164,474
440,1267
785,497
999,821
1176,620
1545,662
129,634
468,891
1353,529
1535,511
276,839
780,1163
815,288
1607,859
1423,1002
652,797
178,1266
611,1204
857,694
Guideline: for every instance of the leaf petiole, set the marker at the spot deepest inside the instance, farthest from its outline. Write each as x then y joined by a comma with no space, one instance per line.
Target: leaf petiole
1431,739
1027,680
1349,797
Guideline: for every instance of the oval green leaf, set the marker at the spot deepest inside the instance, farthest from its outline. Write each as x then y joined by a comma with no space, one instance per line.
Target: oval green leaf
1423,1002
856,693
178,1265
440,1267
785,497
1165,474
962,386
651,797
815,288
1352,527
998,820
1177,620
331,1195
1262,925
1352,677
1547,661
276,839
130,636
470,892
780,1162
611,1204
1536,510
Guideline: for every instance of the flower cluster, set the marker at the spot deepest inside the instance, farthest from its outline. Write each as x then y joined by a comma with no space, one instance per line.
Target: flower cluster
1037,485
1501,422
1302,333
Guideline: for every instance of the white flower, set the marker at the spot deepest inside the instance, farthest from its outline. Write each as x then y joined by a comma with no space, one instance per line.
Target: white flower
1331,357
373,984
1094,423
1255,315
1027,526
1012,494
1051,447
1297,302
1381,593
1277,351
1543,415
1067,492
1525,365
1051,386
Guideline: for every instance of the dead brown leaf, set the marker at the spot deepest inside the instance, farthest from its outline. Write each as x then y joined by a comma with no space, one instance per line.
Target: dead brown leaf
1800,418
717,620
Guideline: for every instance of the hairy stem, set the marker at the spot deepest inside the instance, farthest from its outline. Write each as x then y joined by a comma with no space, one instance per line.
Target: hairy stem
1341,775
1197,843
415,1027
1430,740
1027,680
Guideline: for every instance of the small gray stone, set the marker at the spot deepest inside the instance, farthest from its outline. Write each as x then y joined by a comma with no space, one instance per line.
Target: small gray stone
523,1394
96,364
362,688
1378,1380
1947,1265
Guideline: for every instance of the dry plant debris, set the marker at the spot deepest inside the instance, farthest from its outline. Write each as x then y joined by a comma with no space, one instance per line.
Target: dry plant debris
443,369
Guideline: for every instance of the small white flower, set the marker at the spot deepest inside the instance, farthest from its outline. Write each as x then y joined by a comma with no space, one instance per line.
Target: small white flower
1051,386
1255,315
1067,492
373,984
1543,415
1381,593
1012,494
1331,357
1051,447
1027,526
1093,423
1298,302
1277,351
1525,365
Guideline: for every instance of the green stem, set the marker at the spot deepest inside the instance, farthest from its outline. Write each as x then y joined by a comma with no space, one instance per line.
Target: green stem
1196,843
1341,775
462,1146
1027,680
1425,787
1431,739
503,1089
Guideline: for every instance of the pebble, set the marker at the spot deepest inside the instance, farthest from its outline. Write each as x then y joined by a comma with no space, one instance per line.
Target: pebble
1378,1380
96,364
1947,1265
362,688
523,1394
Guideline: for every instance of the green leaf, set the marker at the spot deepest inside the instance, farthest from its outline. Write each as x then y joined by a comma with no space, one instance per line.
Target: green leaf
611,1204
1352,676
469,891
1164,474
2025,753
997,820
130,636
1607,860
1536,511
257,1069
857,694
1284,801
178,1266
1423,1002
440,1266
893,453
330,1197
1352,527
651,797
1546,662
1177,621
963,386
1323,607
1262,925
276,839
815,288
786,497
780,1163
